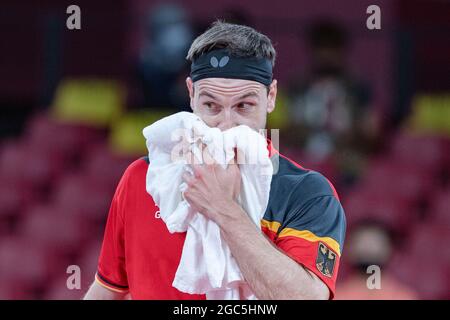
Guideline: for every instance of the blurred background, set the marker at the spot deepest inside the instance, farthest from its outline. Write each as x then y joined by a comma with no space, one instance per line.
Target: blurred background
370,109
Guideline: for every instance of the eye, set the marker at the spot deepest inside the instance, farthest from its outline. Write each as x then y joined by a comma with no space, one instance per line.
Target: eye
244,106
211,107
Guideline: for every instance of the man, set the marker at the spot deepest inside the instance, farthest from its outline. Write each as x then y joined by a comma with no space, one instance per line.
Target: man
371,243
331,112
303,227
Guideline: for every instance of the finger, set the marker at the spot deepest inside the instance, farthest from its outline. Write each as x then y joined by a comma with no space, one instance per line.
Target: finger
198,170
207,157
188,178
187,196
233,168
188,156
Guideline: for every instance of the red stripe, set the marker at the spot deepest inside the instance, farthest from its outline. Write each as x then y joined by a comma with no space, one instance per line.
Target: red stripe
305,253
270,148
334,190
292,161
269,233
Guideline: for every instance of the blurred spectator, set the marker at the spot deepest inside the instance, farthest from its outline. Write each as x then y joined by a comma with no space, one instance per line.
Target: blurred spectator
162,65
330,110
371,243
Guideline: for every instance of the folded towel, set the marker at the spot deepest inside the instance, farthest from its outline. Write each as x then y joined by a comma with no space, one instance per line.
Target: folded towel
206,265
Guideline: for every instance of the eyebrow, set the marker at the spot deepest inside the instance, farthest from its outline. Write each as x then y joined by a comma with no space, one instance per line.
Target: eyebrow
207,94
210,95
247,95
252,94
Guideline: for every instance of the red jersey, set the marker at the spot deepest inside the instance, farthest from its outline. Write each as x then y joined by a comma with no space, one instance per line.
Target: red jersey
304,219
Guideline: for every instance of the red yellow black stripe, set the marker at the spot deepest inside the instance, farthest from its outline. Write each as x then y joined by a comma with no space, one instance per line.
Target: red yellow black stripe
109,285
273,227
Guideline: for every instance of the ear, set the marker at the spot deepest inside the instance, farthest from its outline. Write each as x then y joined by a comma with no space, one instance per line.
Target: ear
272,96
190,87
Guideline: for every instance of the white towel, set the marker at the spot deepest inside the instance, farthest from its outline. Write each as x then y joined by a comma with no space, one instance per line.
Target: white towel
206,265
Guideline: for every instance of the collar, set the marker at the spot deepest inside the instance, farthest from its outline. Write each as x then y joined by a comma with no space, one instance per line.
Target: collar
271,148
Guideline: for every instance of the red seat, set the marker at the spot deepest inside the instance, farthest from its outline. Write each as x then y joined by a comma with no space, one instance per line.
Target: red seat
66,139
326,166
423,261
430,241
60,232
12,160
429,278
58,290
426,152
16,290
440,208
388,177
12,198
87,262
33,168
363,204
84,197
104,167
22,264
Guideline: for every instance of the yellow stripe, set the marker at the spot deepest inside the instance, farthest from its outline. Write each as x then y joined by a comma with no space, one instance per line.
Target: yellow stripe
271,225
99,281
308,235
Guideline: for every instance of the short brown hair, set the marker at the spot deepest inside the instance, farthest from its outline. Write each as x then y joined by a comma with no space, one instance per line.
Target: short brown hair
240,40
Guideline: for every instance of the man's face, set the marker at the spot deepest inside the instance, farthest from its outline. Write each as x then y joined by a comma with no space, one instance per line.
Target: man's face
226,103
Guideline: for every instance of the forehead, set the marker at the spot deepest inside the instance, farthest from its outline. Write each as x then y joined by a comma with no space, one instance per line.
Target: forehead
228,86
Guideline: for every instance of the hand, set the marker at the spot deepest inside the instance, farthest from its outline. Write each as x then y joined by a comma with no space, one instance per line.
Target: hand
213,190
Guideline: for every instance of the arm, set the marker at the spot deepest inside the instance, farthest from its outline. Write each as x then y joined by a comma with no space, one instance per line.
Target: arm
268,271
111,281
99,292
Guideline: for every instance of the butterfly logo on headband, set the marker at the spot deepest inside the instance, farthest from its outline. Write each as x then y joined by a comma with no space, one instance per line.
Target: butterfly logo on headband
215,63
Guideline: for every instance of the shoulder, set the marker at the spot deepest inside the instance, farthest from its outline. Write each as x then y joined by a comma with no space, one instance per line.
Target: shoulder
301,182
133,177
138,165
305,199
136,169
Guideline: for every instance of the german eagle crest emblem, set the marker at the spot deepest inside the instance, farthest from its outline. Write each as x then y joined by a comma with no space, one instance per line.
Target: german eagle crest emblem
326,260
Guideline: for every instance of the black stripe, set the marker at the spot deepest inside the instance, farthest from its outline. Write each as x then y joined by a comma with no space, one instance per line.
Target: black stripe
109,282
146,159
